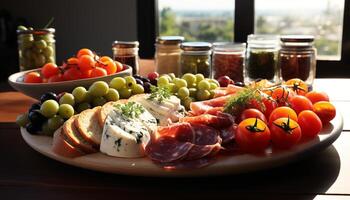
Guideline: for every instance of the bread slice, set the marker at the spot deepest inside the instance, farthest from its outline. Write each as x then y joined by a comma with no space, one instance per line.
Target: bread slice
107,108
61,147
88,126
74,137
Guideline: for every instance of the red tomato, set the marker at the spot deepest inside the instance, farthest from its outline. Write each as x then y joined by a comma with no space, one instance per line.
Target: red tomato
84,51
270,104
252,135
98,71
315,96
72,74
297,86
310,123
106,59
49,69
252,113
325,111
283,112
300,103
86,74
120,66
86,62
282,95
55,78
285,133
32,77
110,67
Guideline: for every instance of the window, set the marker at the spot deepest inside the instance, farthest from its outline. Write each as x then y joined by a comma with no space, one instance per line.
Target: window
321,18
197,20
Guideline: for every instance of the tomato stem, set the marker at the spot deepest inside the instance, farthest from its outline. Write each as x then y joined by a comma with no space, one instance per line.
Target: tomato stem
286,126
254,128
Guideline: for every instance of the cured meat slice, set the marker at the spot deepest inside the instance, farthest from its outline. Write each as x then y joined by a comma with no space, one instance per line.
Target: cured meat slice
215,111
223,91
222,120
228,134
205,135
167,149
200,151
189,164
181,131
201,107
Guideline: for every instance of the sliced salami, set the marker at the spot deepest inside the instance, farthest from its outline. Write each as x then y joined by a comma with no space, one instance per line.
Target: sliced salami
205,135
167,149
200,151
228,134
181,131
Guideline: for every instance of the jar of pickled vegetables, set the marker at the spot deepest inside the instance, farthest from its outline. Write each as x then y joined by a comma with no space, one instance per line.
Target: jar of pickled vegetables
127,52
36,48
297,58
228,60
261,58
167,55
196,58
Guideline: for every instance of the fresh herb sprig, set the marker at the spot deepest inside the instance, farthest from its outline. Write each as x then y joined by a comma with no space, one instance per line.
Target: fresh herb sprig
131,109
159,94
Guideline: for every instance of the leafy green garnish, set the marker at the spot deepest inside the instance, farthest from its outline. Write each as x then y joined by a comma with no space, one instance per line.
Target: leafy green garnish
159,94
131,109
248,97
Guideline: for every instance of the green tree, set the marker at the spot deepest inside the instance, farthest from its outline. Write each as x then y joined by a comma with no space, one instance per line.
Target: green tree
168,24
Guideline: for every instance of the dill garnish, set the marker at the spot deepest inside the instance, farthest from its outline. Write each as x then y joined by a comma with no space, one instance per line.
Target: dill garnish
131,109
159,94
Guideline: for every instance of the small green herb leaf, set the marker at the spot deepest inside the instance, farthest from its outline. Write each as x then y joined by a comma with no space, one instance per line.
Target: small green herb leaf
131,109
159,94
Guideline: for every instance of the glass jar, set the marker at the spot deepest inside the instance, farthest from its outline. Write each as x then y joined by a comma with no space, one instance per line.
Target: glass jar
196,58
127,53
228,60
36,48
297,58
167,55
261,60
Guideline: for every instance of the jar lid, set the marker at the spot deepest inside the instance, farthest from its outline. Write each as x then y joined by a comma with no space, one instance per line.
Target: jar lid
229,46
297,38
196,46
171,40
262,40
37,31
125,44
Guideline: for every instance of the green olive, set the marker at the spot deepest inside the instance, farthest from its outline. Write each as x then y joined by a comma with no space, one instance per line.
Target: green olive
39,60
40,44
48,51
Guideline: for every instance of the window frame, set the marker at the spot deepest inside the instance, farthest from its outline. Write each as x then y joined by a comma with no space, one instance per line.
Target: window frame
147,31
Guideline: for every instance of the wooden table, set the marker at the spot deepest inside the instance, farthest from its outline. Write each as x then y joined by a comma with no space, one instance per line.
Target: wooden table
26,174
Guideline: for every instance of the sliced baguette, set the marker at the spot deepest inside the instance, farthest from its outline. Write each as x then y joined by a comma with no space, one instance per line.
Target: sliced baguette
107,108
74,137
62,147
88,126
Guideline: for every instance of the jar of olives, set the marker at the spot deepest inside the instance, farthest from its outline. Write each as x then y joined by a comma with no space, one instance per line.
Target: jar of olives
127,52
167,55
36,47
196,58
261,58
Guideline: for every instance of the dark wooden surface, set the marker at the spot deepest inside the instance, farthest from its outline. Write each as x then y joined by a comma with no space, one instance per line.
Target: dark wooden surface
26,174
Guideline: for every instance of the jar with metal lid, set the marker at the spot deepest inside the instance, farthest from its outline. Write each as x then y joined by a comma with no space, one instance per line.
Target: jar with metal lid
297,58
196,58
228,60
261,58
167,55
36,48
127,52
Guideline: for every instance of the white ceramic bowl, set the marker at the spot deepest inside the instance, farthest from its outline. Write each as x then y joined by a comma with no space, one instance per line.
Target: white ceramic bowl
35,90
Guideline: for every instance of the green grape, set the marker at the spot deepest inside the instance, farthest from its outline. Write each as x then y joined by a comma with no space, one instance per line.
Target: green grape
67,98
49,108
212,93
99,89
213,86
168,77
189,78
203,85
137,89
45,129
187,102
203,95
199,77
22,120
193,92
79,94
48,51
83,106
41,44
55,122
214,81
172,76
88,97
183,92
130,81
172,88
66,111
163,81
98,101
180,83
117,83
112,95
125,93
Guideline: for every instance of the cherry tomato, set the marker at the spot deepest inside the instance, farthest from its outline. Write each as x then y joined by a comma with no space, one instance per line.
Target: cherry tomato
120,66
270,104
325,111
153,75
282,95
252,113
55,78
110,67
86,62
315,96
310,123
86,74
300,103
33,77
85,51
283,111
98,71
252,135
72,74
49,69
285,133
297,86
72,61
106,59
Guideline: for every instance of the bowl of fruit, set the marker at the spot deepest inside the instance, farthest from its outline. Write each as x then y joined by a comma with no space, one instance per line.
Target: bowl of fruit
82,70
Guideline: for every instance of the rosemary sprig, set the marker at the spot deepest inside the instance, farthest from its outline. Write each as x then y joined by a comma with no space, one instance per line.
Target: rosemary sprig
130,109
159,94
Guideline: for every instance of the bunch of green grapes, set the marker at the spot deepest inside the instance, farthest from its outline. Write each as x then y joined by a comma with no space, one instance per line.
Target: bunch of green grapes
190,87
126,86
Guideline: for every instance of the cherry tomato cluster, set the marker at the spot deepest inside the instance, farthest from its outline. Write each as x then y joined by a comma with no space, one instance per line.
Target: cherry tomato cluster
290,112
86,64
